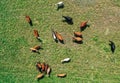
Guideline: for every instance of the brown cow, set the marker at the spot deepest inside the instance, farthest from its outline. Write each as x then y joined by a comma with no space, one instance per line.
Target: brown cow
34,50
83,24
43,67
62,75
46,67
59,37
78,34
40,76
36,34
77,39
38,66
37,47
28,19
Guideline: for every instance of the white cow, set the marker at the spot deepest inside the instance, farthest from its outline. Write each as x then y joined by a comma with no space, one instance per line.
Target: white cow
65,60
60,5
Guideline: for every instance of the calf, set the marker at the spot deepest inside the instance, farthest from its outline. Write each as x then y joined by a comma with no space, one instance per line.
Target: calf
28,19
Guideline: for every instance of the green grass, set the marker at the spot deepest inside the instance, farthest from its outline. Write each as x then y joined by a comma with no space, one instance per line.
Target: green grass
91,62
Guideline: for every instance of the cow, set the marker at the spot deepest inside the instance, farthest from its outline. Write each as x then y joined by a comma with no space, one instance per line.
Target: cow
112,45
83,25
62,75
38,66
48,71
68,19
46,67
36,34
54,36
28,19
60,5
37,47
43,67
40,76
34,50
78,34
59,37
66,60
77,39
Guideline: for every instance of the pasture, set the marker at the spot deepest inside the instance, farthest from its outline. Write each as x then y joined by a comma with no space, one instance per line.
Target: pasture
91,62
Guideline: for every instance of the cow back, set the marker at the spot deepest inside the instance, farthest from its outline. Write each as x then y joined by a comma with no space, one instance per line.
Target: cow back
59,36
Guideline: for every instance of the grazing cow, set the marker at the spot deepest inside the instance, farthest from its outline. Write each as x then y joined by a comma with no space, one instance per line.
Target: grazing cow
83,25
61,75
66,60
60,5
38,66
37,47
67,19
54,36
112,44
43,67
48,71
34,50
77,39
46,67
78,34
59,37
36,34
40,76
28,19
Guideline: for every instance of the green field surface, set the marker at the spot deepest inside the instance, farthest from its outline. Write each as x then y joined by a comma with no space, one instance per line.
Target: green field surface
91,62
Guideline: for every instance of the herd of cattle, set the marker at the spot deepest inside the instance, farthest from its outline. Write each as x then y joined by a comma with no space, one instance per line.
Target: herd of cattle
44,68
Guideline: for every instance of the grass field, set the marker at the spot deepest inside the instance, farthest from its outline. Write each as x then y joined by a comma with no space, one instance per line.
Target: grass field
91,62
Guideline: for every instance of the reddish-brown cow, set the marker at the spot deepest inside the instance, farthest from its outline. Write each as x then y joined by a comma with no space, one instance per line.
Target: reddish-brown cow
83,24
36,34
28,19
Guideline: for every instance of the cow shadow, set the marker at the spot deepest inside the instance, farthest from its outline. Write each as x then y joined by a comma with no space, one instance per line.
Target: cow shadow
61,41
31,23
68,22
40,40
36,51
61,7
78,42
